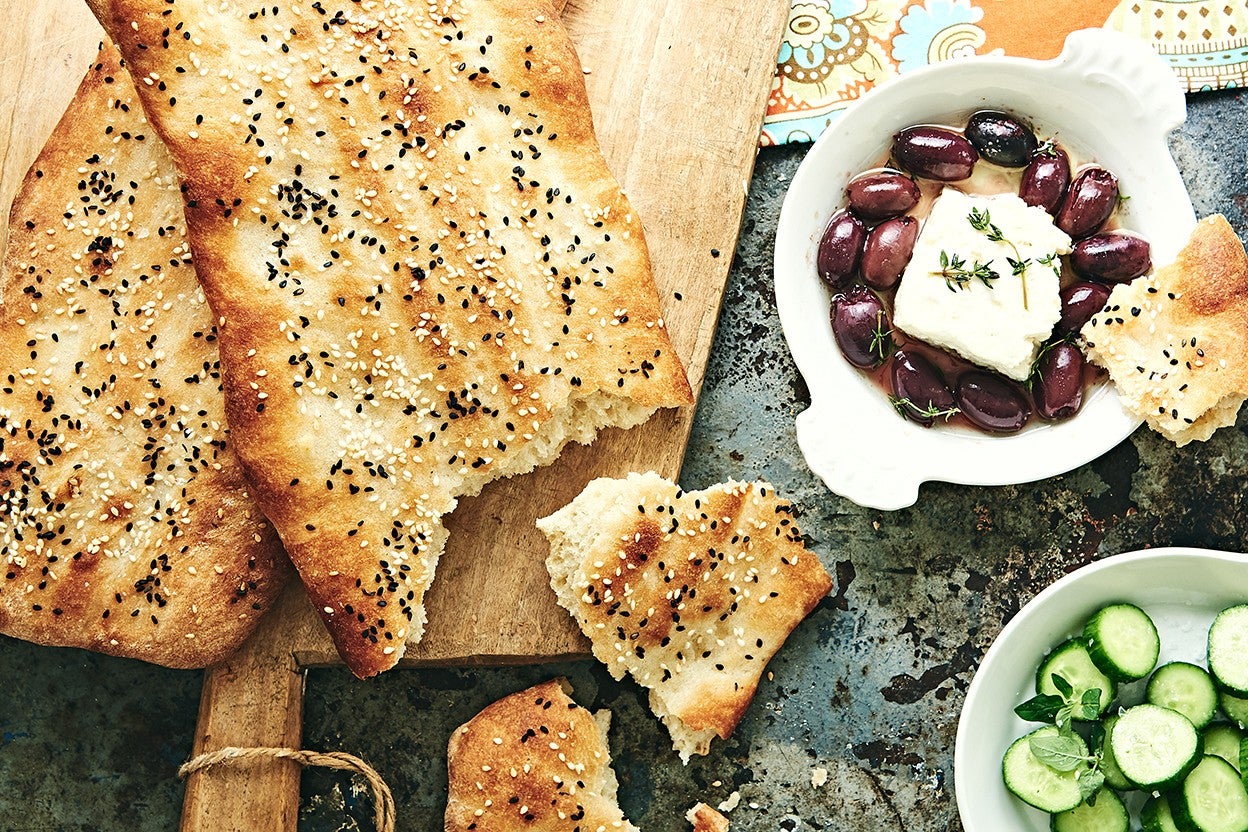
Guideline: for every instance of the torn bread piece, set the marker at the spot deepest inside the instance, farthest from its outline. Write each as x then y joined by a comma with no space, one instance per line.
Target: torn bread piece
533,761
1175,342
690,593
706,819
127,526
425,276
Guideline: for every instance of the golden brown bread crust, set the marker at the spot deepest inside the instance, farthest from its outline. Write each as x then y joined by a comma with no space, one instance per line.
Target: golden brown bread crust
533,761
127,527
426,277
1175,342
706,819
690,593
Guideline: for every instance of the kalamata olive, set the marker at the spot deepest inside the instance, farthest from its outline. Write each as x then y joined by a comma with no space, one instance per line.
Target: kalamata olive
1090,200
1080,301
992,403
919,391
888,250
934,153
1058,385
1000,138
1046,179
880,195
1114,256
840,248
861,328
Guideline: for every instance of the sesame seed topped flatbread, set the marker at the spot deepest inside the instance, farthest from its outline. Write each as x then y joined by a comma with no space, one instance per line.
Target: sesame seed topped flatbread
127,525
533,761
425,276
1175,342
691,593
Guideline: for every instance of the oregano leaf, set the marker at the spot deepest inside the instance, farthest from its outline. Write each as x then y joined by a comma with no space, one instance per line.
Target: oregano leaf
1090,783
1041,708
1063,687
1090,704
1060,753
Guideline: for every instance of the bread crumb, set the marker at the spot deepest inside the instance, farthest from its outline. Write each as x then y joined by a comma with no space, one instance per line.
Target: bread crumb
730,803
818,776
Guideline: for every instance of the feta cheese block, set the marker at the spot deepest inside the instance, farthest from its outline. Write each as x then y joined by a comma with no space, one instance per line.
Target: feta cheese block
962,291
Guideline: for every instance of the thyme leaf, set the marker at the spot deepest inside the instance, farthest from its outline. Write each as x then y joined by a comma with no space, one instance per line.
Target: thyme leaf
907,408
957,276
982,221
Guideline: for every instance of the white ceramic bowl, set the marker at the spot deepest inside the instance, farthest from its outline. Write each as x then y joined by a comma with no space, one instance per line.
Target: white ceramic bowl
1181,590
1108,98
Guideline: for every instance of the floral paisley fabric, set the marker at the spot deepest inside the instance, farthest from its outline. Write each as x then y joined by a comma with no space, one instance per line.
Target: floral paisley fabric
835,50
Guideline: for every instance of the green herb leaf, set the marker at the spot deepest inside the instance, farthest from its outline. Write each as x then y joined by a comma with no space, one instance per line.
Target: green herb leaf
1090,704
1063,687
881,339
957,276
982,221
1096,737
907,409
1041,708
1090,782
1060,753
1053,262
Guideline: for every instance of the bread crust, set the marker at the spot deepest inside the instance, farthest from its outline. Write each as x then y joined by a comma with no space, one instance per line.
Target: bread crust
533,761
690,593
425,276
127,524
706,819
1175,342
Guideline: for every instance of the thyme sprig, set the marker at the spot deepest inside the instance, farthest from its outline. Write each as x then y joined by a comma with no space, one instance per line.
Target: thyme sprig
881,338
957,276
1053,262
982,221
906,408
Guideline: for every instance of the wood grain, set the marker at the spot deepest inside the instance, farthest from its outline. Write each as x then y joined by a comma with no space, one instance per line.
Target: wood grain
678,89
46,47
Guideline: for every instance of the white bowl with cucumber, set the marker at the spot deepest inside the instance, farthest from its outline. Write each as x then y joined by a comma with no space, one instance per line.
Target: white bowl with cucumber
1132,676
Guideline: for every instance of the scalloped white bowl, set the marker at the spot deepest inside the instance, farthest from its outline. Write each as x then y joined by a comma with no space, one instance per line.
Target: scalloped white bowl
1181,589
1107,97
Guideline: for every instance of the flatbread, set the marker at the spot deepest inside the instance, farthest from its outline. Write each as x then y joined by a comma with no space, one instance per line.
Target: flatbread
425,276
1175,342
706,819
533,761
127,526
690,593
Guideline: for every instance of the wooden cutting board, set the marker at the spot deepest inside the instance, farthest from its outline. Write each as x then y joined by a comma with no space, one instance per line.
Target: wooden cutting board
678,89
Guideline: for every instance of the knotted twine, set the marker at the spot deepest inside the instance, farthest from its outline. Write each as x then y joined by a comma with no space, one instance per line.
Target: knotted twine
383,801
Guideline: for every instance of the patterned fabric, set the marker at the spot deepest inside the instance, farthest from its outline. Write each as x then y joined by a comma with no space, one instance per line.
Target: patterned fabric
835,50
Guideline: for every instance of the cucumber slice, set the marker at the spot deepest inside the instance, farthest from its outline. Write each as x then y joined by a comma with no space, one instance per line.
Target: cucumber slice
1033,782
1156,816
1212,799
1235,708
1185,688
1228,649
1243,761
1122,642
1114,778
1071,661
1105,814
1223,740
1155,747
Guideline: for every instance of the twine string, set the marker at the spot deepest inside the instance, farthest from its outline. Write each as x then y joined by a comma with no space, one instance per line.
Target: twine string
383,800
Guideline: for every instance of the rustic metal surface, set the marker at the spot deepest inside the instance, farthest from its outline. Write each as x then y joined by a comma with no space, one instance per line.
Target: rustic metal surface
867,689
